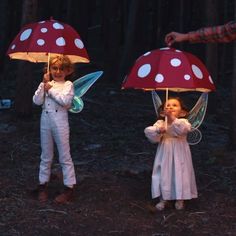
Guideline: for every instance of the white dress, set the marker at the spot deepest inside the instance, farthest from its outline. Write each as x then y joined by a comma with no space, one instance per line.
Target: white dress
173,175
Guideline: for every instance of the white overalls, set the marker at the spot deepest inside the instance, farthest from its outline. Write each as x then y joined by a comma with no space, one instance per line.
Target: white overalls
54,126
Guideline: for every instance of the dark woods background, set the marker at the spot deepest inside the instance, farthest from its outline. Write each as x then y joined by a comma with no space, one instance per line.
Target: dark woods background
115,33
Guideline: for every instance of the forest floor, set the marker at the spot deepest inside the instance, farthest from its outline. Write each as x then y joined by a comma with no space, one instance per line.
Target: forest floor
113,162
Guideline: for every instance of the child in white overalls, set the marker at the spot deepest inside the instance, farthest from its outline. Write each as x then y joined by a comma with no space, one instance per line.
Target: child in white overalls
55,93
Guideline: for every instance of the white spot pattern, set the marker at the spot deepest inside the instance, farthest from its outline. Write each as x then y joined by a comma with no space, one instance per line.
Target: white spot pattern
159,78
210,79
144,70
57,26
175,62
40,42
25,34
147,53
44,30
60,42
78,43
164,48
187,77
197,72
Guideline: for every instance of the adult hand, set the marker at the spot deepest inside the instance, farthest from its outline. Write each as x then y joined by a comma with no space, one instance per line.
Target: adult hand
175,37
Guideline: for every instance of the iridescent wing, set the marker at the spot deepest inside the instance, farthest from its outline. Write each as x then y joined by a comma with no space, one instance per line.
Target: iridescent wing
194,136
156,102
81,86
197,114
195,117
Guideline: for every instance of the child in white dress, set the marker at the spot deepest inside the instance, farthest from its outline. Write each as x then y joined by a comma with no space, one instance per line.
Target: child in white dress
173,175
55,94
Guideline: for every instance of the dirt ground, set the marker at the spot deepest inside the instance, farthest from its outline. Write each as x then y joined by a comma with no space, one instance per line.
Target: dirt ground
113,162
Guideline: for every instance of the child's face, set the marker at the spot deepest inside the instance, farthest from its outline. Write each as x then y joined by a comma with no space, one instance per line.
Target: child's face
58,72
174,106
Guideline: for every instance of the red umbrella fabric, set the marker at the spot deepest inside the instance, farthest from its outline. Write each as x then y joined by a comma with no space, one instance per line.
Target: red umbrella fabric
35,41
169,69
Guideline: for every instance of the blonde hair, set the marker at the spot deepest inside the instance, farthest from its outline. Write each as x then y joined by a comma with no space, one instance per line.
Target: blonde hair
65,63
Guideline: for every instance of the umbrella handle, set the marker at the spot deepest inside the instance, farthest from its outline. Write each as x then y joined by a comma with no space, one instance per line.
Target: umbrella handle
45,94
167,94
48,62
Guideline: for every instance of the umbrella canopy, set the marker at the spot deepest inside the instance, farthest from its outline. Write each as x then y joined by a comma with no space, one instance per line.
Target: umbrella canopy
35,41
169,69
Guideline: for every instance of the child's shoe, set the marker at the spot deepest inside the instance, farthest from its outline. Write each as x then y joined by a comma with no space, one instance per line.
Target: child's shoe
66,196
161,205
179,205
42,192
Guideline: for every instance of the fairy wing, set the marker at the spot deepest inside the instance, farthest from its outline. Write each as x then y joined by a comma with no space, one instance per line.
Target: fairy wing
197,114
81,86
195,117
156,102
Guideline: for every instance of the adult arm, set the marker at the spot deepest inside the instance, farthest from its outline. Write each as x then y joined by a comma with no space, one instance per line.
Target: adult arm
216,34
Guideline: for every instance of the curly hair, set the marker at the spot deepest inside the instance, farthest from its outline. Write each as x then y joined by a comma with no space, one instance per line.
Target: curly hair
65,64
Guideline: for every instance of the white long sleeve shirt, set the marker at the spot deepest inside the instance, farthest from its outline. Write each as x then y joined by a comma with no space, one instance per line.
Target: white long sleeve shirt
59,97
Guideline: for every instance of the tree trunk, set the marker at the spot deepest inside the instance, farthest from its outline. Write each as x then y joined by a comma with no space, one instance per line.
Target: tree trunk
233,113
136,35
158,23
211,54
222,48
80,20
23,100
155,24
212,48
181,19
4,24
111,33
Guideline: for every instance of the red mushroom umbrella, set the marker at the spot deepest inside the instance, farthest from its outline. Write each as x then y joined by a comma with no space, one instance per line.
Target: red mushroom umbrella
36,41
169,69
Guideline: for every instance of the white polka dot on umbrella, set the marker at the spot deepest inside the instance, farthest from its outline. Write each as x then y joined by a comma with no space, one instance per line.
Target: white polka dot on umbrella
25,34
159,78
144,70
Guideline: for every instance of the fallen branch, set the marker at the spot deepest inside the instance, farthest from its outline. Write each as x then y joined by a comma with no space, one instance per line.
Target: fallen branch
52,210
167,217
198,212
136,205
